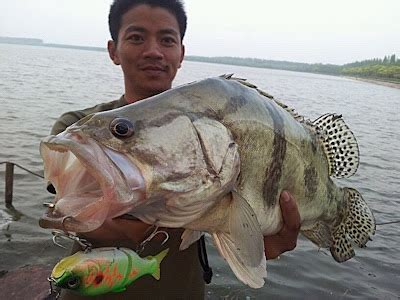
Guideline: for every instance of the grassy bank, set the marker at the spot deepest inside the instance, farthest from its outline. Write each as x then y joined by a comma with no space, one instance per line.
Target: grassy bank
388,83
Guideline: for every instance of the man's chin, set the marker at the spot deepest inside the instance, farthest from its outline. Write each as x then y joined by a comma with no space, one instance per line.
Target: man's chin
156,88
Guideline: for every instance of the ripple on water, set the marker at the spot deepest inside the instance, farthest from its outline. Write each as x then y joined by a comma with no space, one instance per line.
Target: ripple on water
5,219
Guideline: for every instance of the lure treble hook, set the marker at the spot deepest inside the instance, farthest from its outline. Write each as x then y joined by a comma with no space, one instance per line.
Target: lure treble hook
86,246
54,291
151,236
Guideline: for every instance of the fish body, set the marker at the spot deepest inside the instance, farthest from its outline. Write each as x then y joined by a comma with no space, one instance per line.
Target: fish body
104,270
211,156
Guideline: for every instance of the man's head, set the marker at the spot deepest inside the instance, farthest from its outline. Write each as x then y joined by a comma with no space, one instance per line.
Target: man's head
120,7
147,44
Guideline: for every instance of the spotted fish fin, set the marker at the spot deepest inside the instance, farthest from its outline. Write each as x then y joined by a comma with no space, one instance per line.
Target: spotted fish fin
243,247
339,143
357,226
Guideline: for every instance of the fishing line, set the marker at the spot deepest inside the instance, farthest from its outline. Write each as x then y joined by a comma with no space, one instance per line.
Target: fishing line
386,223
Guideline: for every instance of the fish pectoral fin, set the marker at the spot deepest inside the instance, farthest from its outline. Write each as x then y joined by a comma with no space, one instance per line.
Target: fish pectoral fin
245,230
357,226
243,246
253,276
189,237
339,144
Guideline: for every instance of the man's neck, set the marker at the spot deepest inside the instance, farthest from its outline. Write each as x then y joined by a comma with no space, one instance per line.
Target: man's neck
132,97
133,94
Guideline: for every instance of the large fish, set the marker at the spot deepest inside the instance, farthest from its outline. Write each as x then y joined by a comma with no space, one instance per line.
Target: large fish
211,156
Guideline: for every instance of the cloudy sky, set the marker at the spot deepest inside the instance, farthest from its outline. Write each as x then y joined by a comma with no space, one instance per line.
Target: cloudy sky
311,31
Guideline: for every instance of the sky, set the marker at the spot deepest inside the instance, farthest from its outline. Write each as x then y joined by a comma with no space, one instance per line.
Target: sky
310,31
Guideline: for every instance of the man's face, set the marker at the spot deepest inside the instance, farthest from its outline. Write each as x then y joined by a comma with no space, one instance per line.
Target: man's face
149,50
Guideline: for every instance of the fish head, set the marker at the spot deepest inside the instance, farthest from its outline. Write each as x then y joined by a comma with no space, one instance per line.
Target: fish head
156,150
90,186
80,274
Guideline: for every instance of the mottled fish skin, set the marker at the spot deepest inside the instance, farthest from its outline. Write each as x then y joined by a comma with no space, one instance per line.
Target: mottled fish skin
276,151
270,145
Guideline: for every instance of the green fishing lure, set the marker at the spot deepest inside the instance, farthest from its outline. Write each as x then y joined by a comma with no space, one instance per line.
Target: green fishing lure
104,270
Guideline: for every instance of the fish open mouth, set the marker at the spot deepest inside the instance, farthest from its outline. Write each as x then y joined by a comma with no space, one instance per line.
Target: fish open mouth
92,182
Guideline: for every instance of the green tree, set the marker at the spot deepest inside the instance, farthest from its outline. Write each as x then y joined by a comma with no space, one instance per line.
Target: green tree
385,60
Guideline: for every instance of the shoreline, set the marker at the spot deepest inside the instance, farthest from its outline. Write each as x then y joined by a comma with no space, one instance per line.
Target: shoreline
376,81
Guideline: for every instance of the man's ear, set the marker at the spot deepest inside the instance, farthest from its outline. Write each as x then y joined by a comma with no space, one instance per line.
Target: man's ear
182,55
112,52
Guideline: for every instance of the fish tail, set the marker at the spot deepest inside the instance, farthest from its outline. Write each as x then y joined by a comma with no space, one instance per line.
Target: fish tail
357,225
159,257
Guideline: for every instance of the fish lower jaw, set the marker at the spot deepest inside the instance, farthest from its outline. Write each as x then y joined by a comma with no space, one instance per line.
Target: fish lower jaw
57,148
89,180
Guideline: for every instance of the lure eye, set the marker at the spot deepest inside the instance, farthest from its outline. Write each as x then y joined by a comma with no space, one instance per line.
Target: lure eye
73,283
121,128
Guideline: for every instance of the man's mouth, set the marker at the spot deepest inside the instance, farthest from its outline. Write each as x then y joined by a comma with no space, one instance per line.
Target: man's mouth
154,69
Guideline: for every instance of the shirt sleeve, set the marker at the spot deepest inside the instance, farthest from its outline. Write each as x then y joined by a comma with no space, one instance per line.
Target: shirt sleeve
71,117
66,120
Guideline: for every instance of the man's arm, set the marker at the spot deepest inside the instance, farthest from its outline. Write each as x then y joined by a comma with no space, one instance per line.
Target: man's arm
286,238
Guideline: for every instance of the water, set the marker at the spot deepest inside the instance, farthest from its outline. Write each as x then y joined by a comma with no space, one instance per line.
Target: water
38,84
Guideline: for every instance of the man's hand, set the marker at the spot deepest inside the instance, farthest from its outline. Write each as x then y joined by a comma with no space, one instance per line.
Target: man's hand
286,238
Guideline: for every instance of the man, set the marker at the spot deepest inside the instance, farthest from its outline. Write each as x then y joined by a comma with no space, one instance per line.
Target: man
147,38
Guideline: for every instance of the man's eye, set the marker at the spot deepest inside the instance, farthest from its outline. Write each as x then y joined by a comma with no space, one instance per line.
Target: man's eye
136,38
168,41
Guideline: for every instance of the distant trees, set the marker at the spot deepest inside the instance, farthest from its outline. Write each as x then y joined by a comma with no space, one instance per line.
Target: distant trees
269,64
387,68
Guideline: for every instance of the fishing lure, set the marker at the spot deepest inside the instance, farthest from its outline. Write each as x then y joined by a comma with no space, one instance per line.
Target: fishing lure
104,270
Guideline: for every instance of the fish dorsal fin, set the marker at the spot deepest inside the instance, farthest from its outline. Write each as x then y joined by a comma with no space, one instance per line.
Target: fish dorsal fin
339,143
243,81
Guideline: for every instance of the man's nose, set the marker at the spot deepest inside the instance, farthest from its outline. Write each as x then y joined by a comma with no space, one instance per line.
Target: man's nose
153,50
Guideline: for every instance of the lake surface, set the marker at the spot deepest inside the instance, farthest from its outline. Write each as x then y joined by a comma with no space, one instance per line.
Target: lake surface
38,84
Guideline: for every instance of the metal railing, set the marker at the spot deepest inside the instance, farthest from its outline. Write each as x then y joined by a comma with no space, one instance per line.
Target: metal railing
9,179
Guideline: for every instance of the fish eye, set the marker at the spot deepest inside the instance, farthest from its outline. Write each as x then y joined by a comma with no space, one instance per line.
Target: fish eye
121,128
73,283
